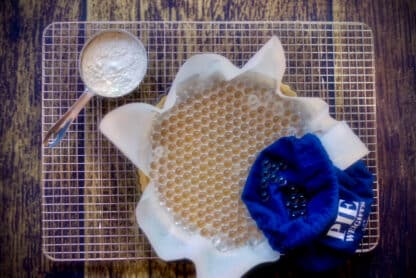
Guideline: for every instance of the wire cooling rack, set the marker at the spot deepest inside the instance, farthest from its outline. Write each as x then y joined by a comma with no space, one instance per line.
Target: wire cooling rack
90,190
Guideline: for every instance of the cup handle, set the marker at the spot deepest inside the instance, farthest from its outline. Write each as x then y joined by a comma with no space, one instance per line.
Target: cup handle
58,130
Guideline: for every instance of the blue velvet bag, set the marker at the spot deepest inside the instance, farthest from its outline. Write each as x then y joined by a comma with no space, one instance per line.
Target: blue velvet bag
344,236
292,192
305,206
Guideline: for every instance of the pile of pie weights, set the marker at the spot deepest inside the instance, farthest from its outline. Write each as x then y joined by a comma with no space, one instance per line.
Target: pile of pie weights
202,151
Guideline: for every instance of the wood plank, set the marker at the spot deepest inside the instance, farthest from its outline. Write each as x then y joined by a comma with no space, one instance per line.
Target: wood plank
22,23
394,27
124,10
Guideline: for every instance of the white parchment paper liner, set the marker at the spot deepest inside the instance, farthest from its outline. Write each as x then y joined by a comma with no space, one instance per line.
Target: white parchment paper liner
129,128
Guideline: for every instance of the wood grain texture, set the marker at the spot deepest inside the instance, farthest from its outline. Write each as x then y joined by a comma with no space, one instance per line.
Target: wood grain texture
22,22
394,27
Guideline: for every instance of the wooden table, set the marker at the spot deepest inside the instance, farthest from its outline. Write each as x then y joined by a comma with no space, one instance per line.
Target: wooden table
394,26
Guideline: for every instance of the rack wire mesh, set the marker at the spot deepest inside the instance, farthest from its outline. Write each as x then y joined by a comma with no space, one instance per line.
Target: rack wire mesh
89,190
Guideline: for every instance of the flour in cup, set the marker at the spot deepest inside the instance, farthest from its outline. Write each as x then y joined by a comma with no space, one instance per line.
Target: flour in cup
113,64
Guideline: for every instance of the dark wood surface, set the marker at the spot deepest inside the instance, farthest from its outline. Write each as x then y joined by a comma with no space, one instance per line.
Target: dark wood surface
21,26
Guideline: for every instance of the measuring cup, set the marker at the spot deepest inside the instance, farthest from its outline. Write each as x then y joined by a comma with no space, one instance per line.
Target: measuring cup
92,63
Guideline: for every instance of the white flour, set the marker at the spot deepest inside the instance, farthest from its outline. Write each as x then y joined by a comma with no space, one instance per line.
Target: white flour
113,64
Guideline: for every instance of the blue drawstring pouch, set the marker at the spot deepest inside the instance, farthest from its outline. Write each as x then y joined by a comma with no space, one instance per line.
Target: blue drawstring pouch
305,206
343,237
292,192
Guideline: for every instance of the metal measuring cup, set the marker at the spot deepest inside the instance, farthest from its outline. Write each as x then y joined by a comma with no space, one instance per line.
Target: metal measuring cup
58,130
